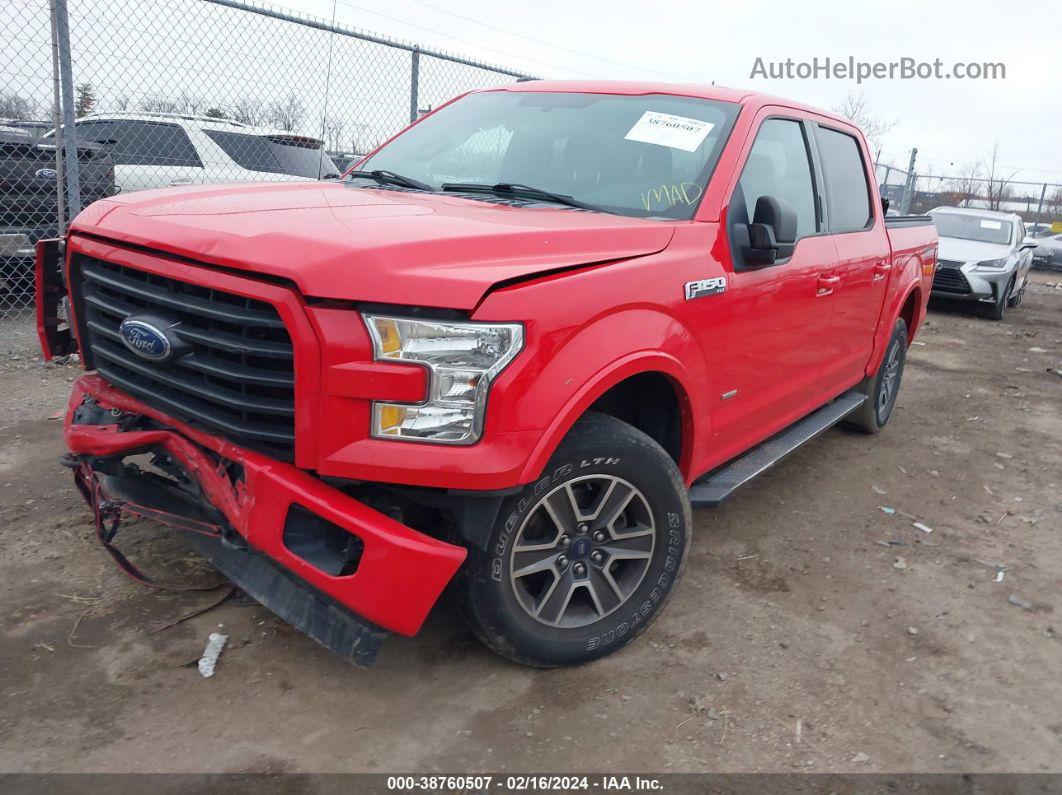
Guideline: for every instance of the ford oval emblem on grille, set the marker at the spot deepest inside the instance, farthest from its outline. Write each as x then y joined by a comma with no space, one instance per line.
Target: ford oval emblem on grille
145,339
46,173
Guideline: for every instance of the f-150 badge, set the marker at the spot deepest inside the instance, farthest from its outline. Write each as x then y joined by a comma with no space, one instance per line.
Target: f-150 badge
705,287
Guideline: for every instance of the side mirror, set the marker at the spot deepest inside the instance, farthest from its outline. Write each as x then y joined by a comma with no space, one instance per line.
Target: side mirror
772,234
1028,244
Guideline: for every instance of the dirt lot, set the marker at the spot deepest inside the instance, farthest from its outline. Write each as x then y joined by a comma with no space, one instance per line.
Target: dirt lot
800,639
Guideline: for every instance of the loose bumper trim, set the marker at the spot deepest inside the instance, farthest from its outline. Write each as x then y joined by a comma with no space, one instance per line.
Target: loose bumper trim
400,574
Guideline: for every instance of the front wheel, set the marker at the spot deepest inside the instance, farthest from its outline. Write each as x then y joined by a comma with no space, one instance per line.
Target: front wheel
997,310
583,560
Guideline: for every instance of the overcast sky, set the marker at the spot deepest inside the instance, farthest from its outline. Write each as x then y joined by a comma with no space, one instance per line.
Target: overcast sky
950,121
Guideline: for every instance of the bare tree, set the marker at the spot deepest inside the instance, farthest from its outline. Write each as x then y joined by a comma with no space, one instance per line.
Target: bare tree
249,111
13,106
856,108
159,105
998,187
334,128
1053,202
122,102
288,113
965,184
365,143
185,104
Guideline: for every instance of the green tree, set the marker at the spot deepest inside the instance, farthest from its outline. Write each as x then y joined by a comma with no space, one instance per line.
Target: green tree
215,113
85,102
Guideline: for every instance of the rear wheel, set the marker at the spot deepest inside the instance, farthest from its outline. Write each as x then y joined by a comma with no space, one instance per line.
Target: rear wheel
883,387
582,561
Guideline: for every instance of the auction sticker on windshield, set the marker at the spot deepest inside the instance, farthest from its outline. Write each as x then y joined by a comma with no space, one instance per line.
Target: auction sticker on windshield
676,132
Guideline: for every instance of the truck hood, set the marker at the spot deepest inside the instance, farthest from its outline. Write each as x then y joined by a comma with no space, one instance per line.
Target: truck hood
958,250
335,240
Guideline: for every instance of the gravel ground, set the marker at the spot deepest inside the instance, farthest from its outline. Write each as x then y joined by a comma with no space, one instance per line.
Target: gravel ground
812,631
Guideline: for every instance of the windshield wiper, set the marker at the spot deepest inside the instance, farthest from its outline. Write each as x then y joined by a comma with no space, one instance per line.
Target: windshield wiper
391,178
514,188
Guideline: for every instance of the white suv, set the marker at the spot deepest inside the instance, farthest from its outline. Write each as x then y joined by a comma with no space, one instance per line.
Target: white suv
157,150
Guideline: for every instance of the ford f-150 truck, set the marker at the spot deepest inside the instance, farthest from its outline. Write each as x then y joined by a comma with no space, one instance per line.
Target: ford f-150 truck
507,352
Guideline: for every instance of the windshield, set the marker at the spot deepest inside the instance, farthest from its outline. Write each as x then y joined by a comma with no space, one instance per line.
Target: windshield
647,156
973,227
275,154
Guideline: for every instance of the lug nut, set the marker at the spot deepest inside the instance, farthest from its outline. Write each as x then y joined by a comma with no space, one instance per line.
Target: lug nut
580,569
599,536
596,556
562,561
565,541
583,527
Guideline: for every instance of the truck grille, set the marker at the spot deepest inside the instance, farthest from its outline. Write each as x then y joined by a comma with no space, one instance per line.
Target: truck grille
949,279
237,378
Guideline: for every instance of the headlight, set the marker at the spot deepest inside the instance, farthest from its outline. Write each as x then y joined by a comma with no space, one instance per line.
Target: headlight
462,358
991,264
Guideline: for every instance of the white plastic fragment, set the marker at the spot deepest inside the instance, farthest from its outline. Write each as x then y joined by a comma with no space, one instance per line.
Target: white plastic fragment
215,643
999,576
1017,601
922,527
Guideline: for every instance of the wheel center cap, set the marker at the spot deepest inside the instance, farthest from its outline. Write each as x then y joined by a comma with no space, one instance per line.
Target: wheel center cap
580,548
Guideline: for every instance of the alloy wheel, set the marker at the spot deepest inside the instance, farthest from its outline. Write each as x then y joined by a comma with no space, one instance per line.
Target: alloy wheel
582,551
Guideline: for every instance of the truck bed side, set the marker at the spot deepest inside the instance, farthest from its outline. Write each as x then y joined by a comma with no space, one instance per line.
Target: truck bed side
913,241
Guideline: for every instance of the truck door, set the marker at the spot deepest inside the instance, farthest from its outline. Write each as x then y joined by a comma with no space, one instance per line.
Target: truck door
779,313
857,229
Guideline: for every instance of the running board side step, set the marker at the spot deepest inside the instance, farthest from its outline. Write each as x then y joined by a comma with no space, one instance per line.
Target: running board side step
712,489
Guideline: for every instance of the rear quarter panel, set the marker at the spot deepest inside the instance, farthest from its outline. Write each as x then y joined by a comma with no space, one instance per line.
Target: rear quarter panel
914,261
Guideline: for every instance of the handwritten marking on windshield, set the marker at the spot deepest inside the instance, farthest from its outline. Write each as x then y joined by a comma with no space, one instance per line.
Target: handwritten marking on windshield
668,195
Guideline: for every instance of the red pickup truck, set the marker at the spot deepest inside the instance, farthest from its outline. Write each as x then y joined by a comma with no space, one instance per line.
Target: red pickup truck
507,352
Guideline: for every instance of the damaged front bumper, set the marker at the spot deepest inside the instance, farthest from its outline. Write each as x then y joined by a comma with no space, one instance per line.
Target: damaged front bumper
334,567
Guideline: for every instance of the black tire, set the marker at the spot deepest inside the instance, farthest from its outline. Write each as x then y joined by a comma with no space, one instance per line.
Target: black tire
653,524
998,309
875,412
1016,297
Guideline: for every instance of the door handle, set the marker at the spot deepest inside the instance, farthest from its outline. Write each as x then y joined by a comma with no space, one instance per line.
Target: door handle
827,284
881,270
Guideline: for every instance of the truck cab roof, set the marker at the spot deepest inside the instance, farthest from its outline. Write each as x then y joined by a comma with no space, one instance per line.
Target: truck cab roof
750,99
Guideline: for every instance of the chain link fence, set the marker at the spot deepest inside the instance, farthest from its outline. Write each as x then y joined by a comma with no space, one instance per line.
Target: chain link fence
176,92
1039,204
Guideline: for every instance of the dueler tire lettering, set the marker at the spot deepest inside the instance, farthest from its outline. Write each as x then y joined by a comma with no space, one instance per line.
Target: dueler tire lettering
612,519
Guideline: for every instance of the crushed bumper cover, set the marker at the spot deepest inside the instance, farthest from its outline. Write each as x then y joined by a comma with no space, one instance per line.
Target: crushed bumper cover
400,572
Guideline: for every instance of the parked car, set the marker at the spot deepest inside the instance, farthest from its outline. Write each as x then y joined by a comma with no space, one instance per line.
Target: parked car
1048,252
984,257
1037,230
512,345
34,128
157,150
344,160
28,208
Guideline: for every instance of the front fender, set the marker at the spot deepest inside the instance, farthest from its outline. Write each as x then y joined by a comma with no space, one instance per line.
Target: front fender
601,355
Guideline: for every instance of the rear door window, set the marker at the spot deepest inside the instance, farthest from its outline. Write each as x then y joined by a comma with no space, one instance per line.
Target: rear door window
847,189
275,154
